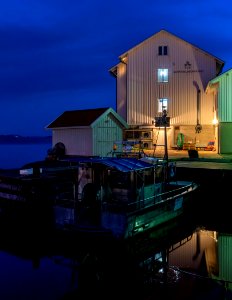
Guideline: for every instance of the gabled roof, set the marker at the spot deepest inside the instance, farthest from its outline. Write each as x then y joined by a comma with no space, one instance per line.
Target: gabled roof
214,83
123,57
85,117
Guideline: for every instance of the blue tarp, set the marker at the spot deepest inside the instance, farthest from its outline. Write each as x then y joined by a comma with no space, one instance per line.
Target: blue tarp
121,164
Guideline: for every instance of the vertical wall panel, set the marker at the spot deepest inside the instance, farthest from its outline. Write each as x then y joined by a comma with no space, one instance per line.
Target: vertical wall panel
77,141
105,134
225,258
121,91
221,89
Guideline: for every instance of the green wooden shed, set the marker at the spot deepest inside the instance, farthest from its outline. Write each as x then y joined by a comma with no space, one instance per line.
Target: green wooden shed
221,87
90,132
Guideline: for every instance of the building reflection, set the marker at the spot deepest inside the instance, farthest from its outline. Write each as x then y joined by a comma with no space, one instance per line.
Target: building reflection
205,261
178,260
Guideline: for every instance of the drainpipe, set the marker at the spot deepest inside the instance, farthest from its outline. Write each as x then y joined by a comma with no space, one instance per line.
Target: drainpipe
198,127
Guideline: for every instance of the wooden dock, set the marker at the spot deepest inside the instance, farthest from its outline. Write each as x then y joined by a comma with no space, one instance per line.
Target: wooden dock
214,178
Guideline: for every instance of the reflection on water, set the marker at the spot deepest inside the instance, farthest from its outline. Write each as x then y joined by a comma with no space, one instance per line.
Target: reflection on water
186,259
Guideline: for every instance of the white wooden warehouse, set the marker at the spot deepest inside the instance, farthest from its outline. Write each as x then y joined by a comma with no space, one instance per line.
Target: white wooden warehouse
167,72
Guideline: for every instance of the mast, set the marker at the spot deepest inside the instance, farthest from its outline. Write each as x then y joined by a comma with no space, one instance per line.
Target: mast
164,121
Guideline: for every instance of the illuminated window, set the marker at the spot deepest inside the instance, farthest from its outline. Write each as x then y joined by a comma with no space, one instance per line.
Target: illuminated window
162,105
163,50
162,75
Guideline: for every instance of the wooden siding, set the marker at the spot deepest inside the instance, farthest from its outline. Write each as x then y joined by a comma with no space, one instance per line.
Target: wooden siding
77,141
143,90
95,139
225,142
222,87
225,258
121,91
105,134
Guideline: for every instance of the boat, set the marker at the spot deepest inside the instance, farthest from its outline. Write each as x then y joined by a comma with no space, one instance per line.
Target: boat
126,196
119,196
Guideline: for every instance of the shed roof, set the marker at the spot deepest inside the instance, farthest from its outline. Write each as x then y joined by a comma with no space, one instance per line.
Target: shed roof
85,117
219,77
215,83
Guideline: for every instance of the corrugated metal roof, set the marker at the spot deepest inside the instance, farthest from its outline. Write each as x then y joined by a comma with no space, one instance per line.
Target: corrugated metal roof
121,164
124,164
77,118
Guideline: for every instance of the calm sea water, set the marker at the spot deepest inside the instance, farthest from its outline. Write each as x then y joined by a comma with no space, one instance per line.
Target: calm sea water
15,156
35,264
20,279
21,275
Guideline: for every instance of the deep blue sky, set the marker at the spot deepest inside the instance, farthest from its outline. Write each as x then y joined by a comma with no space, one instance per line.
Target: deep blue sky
55,55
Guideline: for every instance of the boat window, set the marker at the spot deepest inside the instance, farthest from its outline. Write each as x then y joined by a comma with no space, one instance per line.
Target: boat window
159,173
140,179
148,176
119,180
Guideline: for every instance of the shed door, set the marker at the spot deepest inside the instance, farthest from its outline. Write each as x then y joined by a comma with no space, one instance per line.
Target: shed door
106,139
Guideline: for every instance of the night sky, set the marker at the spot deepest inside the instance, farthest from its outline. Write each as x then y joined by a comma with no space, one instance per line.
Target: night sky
55,55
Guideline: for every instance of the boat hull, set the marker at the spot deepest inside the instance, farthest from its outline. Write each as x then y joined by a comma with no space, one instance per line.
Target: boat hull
128,225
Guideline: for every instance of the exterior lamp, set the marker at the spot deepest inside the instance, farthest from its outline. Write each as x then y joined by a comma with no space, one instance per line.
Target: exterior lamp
215,121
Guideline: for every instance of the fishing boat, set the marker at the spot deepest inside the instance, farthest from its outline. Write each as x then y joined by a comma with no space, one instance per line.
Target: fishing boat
127,196
124,196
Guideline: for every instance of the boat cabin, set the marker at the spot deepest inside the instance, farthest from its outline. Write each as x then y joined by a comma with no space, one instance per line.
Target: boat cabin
124,181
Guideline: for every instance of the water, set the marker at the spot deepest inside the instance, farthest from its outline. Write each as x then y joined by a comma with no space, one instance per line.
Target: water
15,156
21,279
187,259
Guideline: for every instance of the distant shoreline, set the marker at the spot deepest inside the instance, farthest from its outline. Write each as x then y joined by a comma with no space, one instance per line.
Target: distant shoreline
18,139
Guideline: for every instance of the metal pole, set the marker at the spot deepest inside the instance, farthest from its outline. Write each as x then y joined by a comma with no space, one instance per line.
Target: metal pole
165,135
164,121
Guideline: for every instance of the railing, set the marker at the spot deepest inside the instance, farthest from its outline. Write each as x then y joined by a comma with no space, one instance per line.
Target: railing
163,198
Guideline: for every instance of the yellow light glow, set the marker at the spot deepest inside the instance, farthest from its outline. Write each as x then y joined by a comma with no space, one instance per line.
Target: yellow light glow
215,121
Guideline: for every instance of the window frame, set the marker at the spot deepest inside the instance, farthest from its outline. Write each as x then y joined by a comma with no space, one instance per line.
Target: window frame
161,106
163,50
162,75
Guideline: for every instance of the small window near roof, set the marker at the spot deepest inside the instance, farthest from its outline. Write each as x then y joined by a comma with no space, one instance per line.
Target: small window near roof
163,50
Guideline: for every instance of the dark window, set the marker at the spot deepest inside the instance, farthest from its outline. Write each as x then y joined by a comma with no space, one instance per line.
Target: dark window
163,50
